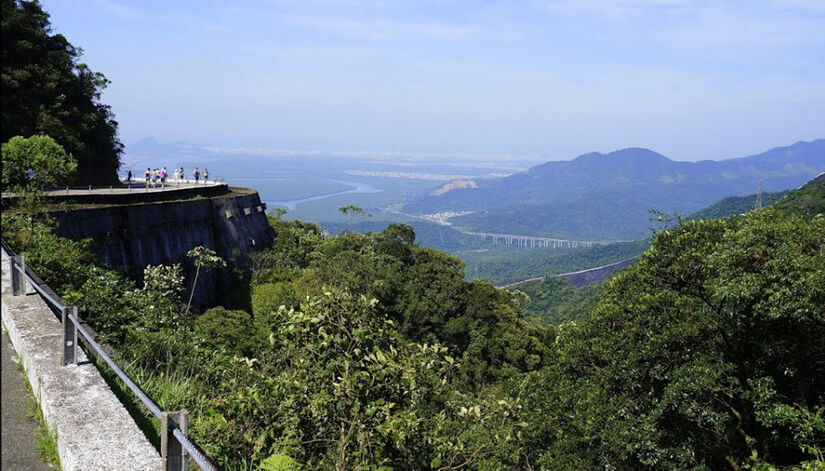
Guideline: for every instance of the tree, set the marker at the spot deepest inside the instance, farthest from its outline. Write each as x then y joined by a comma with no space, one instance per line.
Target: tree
707,354
339,388
351,211
47,91
205,259
48,162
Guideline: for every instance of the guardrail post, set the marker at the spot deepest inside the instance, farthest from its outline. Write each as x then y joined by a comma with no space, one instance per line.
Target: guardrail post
18,266
172,454
69,335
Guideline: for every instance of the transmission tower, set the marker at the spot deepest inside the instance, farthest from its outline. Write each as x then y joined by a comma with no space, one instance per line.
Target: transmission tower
759,195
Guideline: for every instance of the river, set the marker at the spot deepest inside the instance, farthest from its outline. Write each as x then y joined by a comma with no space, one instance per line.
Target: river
359,188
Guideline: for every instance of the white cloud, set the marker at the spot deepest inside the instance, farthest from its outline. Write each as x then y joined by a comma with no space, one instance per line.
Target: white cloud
119,10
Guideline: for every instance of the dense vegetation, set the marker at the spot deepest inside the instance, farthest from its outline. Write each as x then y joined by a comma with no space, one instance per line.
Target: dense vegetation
358,350
430,234
555,300
516,264
369,351
706,354
807,200
733,205
500,264
583,219
35,163
46,90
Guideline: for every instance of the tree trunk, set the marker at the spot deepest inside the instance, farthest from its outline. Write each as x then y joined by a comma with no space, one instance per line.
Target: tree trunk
192,294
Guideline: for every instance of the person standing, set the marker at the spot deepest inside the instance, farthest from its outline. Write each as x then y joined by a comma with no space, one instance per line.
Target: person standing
129,176
197,175
182,175
205,175
163,175
147,176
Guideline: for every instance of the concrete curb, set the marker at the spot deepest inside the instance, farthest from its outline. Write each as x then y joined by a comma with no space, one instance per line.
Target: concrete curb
94,430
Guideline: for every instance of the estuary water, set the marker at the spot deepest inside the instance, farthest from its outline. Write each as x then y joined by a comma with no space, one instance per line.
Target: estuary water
357,188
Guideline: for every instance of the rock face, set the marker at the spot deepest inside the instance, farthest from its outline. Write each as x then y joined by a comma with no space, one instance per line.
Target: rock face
454,185
131,237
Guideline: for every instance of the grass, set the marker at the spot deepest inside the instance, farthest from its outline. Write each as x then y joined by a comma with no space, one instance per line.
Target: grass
146,422
167,391
45,437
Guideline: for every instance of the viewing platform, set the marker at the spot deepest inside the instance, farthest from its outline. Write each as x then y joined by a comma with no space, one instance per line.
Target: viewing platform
130,193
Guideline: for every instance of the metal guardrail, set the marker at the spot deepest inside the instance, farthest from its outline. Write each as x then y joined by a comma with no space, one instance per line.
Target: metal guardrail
176,447
170,183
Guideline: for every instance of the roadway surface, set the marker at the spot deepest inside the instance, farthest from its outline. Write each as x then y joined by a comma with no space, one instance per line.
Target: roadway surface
540,278
19,446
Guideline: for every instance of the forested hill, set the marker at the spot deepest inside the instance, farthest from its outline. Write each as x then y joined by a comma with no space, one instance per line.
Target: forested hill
734,205
607,196
806,200
46,90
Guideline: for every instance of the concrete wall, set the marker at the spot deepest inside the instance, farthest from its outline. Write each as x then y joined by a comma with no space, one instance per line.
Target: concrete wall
130,237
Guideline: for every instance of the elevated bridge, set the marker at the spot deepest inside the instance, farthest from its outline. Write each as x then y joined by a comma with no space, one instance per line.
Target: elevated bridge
535,241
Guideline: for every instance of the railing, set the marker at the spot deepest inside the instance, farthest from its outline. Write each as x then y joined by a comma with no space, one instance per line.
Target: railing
139,182
175,446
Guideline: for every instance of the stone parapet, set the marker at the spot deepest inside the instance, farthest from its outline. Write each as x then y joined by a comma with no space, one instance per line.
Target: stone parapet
94,430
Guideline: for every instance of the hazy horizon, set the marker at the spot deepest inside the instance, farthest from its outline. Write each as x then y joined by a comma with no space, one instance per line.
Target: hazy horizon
532,159
691,80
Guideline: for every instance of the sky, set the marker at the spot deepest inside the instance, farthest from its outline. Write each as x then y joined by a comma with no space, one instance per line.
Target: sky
552,78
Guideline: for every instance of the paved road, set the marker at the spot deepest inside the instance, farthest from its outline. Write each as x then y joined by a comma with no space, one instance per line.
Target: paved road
568,274
19,449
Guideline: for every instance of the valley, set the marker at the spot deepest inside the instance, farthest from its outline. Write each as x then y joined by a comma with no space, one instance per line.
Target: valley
506,219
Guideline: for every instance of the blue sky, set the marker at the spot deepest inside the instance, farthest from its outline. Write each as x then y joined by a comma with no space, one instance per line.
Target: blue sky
690,79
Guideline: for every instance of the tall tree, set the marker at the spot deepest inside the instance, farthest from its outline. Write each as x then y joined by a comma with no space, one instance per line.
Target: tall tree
45,90
36,163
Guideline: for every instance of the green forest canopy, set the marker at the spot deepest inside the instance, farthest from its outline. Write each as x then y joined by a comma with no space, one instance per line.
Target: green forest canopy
806,200
47,91
368,351
42,156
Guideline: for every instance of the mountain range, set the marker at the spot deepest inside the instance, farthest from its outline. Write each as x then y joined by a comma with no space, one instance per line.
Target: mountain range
608,196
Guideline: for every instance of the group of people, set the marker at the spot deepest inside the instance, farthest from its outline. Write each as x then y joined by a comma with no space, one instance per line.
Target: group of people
155,176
